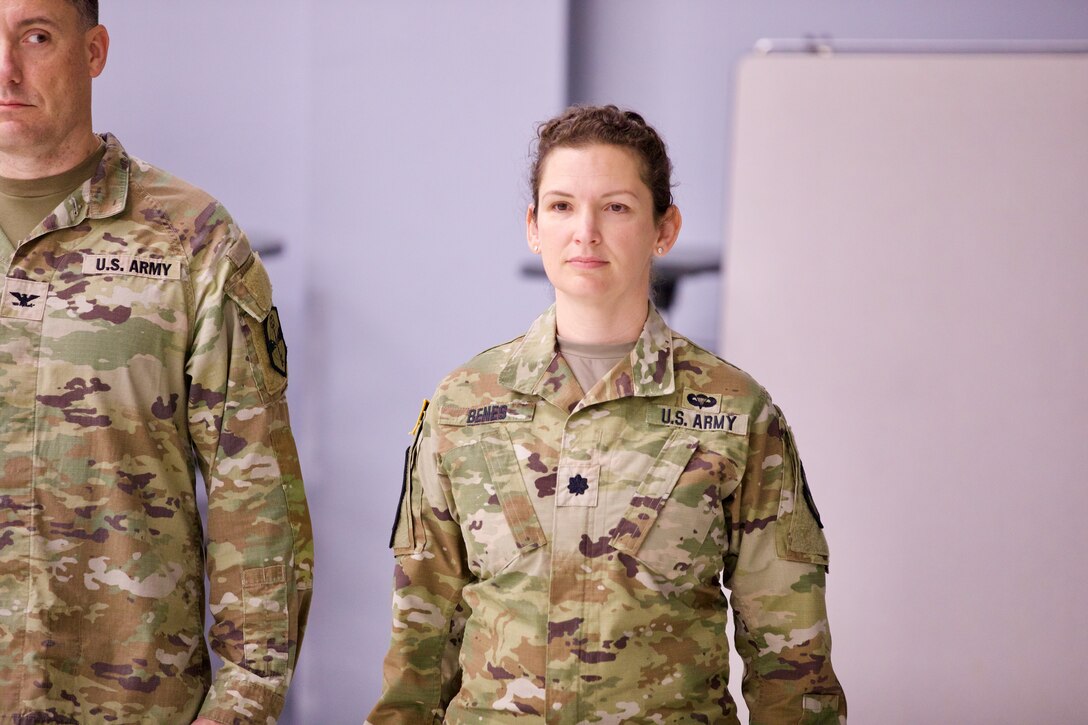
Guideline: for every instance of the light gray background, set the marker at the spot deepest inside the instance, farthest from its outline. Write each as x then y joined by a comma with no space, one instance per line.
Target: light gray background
385,144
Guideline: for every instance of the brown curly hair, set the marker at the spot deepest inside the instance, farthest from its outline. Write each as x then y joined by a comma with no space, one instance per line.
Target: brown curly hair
581,126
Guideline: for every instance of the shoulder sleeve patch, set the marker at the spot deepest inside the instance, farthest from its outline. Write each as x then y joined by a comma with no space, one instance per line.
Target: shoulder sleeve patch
274,342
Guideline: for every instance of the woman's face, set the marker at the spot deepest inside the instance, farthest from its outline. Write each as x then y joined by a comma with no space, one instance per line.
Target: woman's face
595,227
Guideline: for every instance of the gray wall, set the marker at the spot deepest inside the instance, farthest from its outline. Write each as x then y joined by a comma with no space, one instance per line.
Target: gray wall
385,143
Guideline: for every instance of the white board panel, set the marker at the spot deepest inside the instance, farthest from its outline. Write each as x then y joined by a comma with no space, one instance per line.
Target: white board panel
906,273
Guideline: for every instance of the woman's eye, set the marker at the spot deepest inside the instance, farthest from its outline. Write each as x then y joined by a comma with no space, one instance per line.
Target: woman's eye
561,206
617,207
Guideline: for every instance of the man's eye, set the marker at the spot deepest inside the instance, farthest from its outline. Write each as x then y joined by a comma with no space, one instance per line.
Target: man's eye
37,38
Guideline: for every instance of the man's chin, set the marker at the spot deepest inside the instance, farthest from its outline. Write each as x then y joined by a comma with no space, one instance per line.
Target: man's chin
13,134
18,137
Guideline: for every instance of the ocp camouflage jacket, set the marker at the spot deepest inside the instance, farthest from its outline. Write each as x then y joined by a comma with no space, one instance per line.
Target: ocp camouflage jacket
560,557
137,326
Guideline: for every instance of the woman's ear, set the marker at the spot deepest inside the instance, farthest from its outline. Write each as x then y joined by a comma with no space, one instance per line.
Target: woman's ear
668,229
532,234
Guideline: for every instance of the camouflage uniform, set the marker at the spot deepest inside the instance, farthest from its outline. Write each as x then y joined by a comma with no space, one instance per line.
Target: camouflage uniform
136,326
560,557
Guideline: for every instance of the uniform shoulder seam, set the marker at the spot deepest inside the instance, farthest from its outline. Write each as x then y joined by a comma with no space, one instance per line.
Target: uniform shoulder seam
509,343
144,177
761,391
486,359
166,222
703,351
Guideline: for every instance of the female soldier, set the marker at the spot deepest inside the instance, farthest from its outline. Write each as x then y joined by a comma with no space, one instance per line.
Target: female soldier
576,498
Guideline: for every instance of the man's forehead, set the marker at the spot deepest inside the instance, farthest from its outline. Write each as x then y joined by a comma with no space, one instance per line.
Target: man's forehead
22,12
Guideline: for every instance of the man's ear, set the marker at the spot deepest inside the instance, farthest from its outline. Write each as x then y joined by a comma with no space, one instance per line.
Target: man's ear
98,47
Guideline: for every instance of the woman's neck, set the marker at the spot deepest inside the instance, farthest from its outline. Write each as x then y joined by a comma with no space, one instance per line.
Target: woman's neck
597,324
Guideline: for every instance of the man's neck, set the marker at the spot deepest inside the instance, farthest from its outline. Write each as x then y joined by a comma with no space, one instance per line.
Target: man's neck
38,165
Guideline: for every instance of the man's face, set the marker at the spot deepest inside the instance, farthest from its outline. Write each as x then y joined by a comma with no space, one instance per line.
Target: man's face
47,60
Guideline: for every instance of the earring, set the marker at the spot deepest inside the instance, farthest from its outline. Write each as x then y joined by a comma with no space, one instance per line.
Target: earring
536,247
660,250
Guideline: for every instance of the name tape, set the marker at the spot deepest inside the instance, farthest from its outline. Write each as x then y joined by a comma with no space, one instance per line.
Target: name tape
492,413
130,264
736,423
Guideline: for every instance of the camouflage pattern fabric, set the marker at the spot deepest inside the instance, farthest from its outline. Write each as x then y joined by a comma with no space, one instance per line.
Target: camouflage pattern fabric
560,556
137,326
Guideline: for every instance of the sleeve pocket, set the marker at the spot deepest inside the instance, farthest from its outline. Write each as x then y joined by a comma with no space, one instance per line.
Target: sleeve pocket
266,626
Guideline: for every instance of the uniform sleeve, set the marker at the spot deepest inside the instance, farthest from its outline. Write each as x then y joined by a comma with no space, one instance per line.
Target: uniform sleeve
421,673
259,554
776,570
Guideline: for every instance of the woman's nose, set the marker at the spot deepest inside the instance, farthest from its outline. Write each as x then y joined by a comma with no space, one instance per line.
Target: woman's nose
588,230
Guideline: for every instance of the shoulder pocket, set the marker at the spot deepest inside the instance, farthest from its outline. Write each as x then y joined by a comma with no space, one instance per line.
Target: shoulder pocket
251,290
800,535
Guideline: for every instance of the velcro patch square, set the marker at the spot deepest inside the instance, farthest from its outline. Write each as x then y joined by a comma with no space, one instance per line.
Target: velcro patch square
576,484
24,299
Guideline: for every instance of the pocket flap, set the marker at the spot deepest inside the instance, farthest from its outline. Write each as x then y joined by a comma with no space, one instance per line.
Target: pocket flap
506,476
654,492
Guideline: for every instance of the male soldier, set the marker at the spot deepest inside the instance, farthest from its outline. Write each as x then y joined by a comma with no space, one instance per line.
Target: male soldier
136,327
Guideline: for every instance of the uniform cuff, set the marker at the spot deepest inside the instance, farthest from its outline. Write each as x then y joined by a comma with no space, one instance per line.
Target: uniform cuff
238,697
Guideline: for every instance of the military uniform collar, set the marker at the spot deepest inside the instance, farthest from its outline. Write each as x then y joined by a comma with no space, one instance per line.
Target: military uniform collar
101,196
651,359
536,368
108,191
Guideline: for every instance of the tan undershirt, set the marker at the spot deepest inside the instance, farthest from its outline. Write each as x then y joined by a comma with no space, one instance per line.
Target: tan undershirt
589,362
24,203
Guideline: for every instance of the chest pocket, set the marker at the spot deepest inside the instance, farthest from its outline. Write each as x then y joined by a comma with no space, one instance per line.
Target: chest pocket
498,521
675,511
